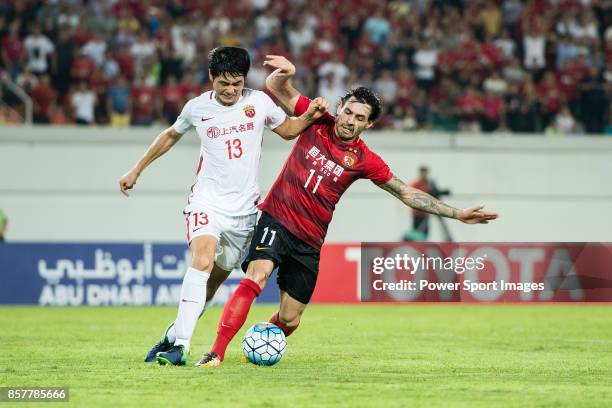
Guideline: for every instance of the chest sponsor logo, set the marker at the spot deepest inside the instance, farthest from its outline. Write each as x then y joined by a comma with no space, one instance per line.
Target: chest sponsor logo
214,132
326,166
249,111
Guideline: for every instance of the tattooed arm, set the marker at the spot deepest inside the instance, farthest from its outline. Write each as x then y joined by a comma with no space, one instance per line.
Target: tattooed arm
420,200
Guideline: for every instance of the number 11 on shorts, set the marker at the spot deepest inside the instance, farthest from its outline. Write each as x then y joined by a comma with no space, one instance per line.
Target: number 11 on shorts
263,239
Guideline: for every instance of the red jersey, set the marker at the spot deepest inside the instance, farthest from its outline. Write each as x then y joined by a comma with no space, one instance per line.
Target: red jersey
142,101
317,172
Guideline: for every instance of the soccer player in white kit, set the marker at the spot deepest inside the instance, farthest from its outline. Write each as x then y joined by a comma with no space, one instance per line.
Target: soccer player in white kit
222,207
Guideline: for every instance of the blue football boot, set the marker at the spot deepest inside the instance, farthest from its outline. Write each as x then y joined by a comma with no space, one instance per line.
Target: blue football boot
175,356
162,345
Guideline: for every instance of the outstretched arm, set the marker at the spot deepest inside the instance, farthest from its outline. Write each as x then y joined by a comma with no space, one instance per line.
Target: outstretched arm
293,126
420,200
164,141
278,82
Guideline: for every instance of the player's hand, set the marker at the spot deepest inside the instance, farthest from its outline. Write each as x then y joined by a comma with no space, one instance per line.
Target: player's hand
475,215
282,66
127,182
317,108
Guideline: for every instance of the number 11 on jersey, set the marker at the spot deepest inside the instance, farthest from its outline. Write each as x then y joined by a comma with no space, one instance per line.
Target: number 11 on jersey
319,178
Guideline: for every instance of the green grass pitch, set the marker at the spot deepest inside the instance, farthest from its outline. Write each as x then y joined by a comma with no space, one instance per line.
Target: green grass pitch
353,356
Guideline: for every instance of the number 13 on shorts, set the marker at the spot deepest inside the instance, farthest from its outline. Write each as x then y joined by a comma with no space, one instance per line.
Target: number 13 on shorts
199,218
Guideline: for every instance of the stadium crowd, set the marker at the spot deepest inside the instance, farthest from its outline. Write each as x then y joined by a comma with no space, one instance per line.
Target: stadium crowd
472,65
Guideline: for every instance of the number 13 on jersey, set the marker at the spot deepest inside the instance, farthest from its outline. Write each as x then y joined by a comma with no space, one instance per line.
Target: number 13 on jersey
234,148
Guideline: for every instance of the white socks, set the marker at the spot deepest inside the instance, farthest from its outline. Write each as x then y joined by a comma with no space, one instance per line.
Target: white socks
191,306
170,333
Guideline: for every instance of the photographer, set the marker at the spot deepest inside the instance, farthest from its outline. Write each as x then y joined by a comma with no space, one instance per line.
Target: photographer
420,220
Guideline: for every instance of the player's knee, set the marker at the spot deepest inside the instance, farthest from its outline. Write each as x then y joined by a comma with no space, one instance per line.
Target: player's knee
257,274
259,277
201,263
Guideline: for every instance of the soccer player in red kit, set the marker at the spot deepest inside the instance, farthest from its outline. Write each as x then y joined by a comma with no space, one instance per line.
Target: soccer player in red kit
327,158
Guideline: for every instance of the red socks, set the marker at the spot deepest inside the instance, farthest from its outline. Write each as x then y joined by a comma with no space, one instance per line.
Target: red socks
276,320
235,314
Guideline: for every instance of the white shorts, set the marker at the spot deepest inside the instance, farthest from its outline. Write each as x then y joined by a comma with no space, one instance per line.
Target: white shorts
233,234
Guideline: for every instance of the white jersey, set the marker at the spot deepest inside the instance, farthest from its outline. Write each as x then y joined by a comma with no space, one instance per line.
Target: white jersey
231,139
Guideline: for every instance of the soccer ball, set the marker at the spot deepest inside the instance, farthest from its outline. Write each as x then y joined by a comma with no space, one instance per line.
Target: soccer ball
264,344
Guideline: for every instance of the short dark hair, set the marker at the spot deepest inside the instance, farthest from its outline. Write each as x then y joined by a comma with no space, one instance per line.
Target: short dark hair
234,61
367,96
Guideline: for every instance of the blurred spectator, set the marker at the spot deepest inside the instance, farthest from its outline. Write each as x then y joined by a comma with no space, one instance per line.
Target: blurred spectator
99,85
493,112
550,96
143,103
300,36
491,18
511,10
386,87
523,114
185,49
513,72
38,48
82,67
593,102
564,123
351,30
495,84
95,49
27,80
218,24
377,27
62,64
190,87
404,119
444,99
83,102
267,23
143,48
565,50
470,107
68,17
336,67
13,50
422,110
425,60
257,74
118,102
58,115
172,99
331,90
584,28
43,98
534,44
110,66
506,44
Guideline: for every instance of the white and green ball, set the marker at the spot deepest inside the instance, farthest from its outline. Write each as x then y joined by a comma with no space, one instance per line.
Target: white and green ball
264,344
